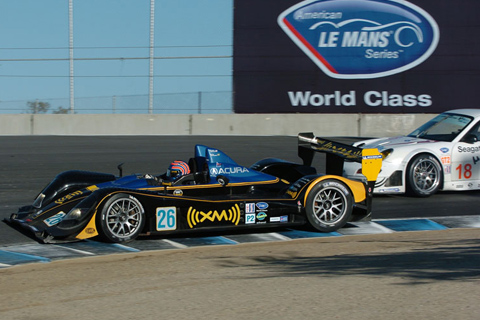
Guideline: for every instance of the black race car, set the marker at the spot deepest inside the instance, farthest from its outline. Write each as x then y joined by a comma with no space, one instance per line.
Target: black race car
212,192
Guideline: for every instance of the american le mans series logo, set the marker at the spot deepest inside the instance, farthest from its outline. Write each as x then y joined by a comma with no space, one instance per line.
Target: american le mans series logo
361,39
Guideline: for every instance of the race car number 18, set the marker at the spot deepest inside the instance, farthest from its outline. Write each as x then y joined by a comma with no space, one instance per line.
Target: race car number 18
465,172
166,218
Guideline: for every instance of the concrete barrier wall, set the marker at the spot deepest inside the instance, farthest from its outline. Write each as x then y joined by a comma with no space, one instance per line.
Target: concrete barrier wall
365,125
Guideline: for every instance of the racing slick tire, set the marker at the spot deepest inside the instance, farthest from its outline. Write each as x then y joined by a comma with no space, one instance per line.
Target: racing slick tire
424,176
122,218
329,205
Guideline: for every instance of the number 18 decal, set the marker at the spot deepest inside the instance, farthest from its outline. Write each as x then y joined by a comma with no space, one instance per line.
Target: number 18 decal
464,172
166,218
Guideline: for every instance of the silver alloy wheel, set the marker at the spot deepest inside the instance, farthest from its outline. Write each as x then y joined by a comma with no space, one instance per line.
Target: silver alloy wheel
124,217
426,175
329,205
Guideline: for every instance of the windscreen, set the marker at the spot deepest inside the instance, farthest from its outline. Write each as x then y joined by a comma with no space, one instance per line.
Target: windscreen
444,127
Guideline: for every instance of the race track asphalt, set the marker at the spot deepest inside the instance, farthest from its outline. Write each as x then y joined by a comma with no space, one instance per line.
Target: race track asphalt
28,163
405,275
399,275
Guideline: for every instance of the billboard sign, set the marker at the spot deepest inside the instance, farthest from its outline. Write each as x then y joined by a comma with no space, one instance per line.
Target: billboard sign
354,39
355,56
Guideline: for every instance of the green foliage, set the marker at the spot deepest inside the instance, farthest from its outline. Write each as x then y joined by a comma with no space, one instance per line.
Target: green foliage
60,110
37,107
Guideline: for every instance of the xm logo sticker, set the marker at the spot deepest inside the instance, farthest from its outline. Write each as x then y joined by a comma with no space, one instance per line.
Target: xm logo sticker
199,218
361,39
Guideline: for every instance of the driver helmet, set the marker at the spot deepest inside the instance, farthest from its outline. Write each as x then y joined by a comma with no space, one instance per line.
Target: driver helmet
177,169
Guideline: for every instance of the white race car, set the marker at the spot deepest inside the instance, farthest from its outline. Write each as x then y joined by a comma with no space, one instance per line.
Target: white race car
443,154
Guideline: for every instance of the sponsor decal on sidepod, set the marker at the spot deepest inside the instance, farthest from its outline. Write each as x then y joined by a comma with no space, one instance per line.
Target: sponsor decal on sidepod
262,205
353,39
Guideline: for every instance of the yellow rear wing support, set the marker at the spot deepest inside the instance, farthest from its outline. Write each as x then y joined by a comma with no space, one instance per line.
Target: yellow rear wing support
371,166
371,163
337,153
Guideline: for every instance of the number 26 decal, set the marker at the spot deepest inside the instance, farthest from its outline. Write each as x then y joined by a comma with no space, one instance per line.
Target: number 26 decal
166,218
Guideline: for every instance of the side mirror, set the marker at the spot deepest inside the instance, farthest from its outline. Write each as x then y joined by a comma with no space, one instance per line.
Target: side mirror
120,169
222,180
470,138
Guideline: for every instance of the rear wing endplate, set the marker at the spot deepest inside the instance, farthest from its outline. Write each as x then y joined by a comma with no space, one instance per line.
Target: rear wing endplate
337,153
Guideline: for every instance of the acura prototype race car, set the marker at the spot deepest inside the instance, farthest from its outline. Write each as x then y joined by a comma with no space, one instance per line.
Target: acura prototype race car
209,192
442,154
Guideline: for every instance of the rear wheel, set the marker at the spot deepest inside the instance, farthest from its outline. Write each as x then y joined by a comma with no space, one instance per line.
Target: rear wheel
424,176
122,218
329,205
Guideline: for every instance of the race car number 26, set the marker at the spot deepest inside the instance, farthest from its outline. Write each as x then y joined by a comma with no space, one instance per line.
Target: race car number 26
166,218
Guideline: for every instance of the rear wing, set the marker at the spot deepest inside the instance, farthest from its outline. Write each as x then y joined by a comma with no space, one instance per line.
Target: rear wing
337,153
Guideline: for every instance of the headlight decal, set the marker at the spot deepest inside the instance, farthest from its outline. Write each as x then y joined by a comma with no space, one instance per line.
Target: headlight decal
386,153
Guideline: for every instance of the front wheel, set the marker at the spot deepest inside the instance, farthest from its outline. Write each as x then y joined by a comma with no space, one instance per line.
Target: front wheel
122,218
329,205
424,176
